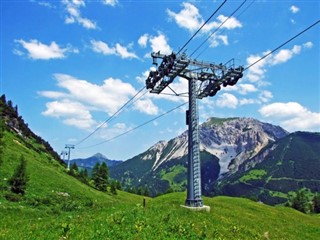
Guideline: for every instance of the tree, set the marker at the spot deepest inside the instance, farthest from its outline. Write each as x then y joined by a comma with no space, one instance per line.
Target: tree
140,190
74,170
18,181
301,202
113,187
2,127
316,203
146,191
118,185
83,176
100,176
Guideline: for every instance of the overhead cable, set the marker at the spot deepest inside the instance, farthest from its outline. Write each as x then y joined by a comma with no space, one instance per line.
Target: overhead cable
115,114
217,28
135,128
202,26
277,48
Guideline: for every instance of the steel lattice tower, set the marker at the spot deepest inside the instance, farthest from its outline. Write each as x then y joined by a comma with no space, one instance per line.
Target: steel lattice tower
204,79
69,147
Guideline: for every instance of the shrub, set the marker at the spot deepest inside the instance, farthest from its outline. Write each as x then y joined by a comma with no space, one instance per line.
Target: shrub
18,182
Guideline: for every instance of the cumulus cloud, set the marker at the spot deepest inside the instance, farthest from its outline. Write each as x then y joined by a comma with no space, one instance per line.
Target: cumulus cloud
110,2
143,40
294,9
146,106
292,116
227,100
37,50
160,43
157,43
72,8
78,98
189,18
258,70
118,50
73,113
242,88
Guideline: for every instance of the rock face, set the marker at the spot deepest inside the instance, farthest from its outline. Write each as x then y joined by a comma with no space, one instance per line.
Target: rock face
231,140
235,140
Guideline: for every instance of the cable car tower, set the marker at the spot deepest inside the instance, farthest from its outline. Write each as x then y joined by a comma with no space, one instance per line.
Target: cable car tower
204,79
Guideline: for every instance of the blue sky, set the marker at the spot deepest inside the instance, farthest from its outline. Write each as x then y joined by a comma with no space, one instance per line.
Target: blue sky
71,64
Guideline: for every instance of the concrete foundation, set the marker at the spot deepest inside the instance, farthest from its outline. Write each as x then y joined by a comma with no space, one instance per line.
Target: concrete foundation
204,208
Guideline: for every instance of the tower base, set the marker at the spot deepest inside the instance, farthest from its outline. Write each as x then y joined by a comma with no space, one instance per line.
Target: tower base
193,203
204,208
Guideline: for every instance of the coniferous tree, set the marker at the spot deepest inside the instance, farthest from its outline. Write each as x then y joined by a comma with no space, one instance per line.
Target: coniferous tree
316,203
140,190
100,176
104,175
146,191
118,185
18,182
113,187
95,174
74,170
301,202
2,127
83,176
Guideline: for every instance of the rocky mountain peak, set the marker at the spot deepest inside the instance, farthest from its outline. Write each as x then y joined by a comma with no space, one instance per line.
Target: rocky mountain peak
232,140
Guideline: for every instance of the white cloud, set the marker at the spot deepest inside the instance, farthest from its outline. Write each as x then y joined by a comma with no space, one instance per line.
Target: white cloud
308,45
265,96
188,18
43,3
157,43
102,47
216,40
242,88
143,40
160,43
123,52
146,106
294,9
119,50
78,98
72,113
247,101
38,50
52,94
258,70
284,55
110,2
227,100
73,15
292,116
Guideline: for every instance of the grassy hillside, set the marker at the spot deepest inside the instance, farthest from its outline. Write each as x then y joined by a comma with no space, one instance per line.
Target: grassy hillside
163,218
57,206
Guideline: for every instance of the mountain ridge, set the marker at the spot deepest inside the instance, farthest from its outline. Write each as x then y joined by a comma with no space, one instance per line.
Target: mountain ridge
89,162
224,143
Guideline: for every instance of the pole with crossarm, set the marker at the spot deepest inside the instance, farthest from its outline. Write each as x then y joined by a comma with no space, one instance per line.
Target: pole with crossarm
204,79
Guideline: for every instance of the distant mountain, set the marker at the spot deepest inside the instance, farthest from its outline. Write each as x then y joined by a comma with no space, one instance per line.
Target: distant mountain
289,164
225,145
93,160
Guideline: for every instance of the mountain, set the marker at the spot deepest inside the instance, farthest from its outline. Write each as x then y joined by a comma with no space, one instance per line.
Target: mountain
89,162
224,145
288,164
